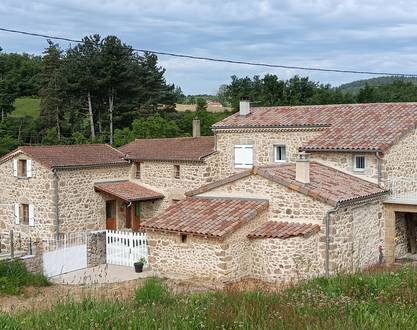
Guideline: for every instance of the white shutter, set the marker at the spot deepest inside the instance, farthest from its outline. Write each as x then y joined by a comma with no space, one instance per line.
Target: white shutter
243,156
15,167
16,213
31,215
29,168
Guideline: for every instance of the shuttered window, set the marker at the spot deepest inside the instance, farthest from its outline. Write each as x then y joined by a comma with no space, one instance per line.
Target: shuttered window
24,214
22,168
243,156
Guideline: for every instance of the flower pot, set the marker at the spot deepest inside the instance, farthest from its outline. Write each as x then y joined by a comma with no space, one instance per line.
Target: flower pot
138,267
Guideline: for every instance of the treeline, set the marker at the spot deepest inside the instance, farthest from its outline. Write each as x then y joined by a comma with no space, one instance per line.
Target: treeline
102,91
271,91
99,90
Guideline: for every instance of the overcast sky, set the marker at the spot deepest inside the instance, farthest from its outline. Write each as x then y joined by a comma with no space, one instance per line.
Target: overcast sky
346,34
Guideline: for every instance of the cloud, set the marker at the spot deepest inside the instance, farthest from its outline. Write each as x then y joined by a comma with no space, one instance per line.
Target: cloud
360,35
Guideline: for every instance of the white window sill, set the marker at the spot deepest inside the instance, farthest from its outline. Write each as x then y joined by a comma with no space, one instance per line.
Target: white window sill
280,161
243,166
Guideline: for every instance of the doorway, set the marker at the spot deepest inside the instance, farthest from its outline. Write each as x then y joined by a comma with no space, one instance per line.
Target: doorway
111,215
133,216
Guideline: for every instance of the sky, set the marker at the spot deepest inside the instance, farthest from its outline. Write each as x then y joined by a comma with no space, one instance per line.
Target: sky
346,34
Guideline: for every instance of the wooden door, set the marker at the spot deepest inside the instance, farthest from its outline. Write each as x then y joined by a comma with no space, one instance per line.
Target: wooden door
111,215
136,216
128,223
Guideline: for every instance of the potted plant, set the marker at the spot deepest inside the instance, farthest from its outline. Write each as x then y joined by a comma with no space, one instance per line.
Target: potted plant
139,265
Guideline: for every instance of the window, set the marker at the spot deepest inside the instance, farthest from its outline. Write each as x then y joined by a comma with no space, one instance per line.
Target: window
183,238
176,171
359,163
138,171
24,214
280,153
22,168
243,156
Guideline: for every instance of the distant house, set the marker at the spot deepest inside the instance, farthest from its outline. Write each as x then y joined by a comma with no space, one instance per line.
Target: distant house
214,104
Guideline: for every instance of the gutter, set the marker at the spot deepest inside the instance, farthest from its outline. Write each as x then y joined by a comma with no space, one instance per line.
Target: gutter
378,161
327,249
56,198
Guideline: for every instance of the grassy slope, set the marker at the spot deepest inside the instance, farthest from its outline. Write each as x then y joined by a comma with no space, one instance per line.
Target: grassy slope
379,300
27,106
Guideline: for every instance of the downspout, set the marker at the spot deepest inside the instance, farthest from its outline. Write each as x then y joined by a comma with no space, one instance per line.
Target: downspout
327,250
56,199
378,161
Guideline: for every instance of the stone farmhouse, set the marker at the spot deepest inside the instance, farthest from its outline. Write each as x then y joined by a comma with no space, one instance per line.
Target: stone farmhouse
334,189
278,194
51,190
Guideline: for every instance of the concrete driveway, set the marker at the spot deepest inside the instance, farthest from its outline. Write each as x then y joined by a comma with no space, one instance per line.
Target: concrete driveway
100,274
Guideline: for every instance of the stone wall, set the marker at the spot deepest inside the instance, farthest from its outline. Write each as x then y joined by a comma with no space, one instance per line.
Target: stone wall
80,207
401,241
96,248
400,162
159,176
202,258
356,232
284,204
344,161
37,190
34,262
285,260
263,141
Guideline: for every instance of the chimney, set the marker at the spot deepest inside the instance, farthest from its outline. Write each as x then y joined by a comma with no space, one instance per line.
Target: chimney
196,127
244,106
302,168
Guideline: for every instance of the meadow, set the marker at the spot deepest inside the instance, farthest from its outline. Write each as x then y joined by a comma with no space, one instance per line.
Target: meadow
377,299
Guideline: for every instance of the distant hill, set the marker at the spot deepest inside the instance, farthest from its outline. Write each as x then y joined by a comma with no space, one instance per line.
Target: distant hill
354,86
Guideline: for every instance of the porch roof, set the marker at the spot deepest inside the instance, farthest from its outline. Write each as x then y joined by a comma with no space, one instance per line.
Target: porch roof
127,191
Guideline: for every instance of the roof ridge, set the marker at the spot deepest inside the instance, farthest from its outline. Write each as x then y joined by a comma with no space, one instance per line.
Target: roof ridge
331,105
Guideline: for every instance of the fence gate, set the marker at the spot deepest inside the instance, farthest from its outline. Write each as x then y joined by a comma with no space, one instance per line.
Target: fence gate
125,248
66,254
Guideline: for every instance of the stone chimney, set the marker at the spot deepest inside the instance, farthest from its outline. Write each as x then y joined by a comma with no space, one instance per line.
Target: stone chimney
244,106
302,168
196,127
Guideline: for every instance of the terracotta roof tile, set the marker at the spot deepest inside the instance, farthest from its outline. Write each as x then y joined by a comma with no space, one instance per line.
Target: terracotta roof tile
82,155
366,127
278,229
185,148
326,183
127,191
215,217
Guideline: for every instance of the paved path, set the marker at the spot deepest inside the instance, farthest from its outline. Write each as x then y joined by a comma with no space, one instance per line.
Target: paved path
100,274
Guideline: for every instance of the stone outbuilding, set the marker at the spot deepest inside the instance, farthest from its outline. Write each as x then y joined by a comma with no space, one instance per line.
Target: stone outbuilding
203,237
318,220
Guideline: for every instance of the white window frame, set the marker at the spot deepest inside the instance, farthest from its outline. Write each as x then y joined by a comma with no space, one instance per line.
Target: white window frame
359,169
243,163
276,160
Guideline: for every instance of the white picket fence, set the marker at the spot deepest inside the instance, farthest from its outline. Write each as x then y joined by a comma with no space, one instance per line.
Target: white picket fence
125,248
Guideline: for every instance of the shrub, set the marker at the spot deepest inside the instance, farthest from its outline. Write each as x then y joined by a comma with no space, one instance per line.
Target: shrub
153,291
14,276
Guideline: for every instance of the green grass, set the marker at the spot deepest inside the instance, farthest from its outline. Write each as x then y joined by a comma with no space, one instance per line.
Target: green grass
27,106
14,277
378,300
